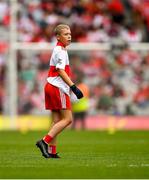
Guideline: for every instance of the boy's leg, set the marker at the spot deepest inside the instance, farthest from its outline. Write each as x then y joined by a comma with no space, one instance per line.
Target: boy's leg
56,117
66,116
44,147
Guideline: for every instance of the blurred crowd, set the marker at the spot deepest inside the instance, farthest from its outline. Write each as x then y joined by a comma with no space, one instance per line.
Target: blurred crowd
91,20
118,80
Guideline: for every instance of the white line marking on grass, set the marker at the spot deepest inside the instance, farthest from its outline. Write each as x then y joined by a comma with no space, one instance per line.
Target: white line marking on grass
112,165
138,165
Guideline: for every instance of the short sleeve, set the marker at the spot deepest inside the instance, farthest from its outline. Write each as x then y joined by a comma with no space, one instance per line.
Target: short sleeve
61,60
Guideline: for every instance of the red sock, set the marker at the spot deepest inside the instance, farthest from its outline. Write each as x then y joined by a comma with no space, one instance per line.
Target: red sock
52,149
47,139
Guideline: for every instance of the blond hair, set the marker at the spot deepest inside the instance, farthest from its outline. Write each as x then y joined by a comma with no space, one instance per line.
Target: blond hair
59,27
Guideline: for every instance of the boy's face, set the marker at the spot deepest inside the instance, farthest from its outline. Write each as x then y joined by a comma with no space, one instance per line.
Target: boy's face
65,36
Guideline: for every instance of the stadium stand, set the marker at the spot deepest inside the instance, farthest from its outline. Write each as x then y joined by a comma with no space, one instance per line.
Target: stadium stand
118,80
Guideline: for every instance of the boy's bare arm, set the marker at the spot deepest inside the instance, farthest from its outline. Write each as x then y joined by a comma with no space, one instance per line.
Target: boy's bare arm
65,77
68,81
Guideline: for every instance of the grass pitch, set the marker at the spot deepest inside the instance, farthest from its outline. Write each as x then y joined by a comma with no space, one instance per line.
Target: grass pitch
85,154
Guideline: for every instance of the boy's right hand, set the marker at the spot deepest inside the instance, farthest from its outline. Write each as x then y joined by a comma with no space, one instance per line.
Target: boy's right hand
76,91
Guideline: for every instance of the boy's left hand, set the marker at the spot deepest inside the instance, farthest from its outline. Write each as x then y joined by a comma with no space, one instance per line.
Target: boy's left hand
76,91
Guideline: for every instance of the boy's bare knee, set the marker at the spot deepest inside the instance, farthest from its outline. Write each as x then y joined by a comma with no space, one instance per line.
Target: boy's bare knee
69,121
67,115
